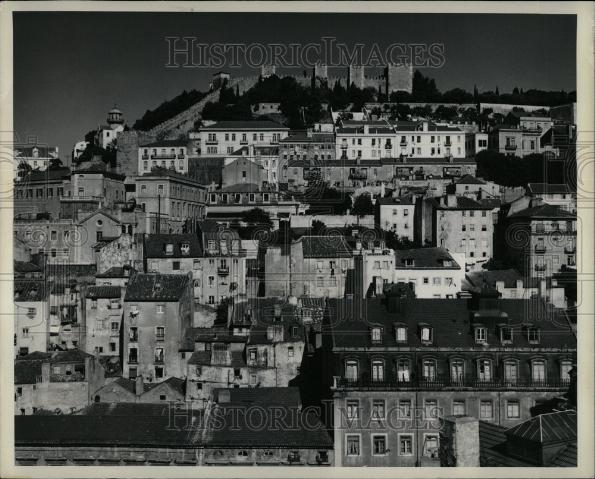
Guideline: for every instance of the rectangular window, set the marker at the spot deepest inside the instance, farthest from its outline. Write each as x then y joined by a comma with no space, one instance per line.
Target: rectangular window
353,409
486,410
430,445
404,408
176,265
378,445
458,407
431,408
513,409
160,308
353,446
405,445
538,371
378,409
160,333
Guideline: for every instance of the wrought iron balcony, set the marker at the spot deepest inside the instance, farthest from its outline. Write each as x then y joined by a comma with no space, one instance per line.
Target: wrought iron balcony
358,175
164,157
447,382
223,270
540,249
570,249
540,267
510,147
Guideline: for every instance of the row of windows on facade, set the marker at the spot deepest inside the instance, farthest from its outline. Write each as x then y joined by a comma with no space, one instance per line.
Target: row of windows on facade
414,152
158,373
39,192
177,191
310,146
211,137
163,151
484,369
158,357
431,410
238,197
436,281
380,445
403,139
426,333
172,164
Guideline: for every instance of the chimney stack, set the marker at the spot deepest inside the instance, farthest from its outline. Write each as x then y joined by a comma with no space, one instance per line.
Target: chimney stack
138,385
459,442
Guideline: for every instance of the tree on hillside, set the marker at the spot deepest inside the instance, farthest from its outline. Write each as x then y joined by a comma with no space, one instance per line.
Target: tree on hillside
363,205
257,216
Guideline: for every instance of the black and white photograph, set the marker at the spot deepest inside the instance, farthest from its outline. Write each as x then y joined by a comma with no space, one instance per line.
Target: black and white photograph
300,235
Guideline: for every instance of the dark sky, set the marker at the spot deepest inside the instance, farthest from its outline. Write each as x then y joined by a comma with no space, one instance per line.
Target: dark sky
70,68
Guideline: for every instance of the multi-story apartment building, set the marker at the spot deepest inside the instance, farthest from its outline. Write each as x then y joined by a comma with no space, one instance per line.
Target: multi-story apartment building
313,148
266,157
225,137
423,139
170,200
512,285
527,137
539,241
168,154
374,266
395,369
158,308
60,382
463,225
102,318
553,194
41,192
36,157
431,272
474,188
244,171
397,215
31,316
231,202
313,266
221,268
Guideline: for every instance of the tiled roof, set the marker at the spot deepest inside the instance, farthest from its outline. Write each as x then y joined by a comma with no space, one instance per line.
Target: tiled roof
104,292
28,368
451,320
166,143
543,211
31,290
116,272
548,189
547,428
26,267
325,247
566,458
70,270
107,425
245,125
404,200
177,384
156,287
155,245
424,258
267,396
462,203
53,174
469,180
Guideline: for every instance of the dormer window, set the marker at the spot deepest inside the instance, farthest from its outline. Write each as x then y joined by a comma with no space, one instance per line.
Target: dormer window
533,335
447,263
169,249
400,333
409,262
425,333
185,249
481,335
376,334
506,335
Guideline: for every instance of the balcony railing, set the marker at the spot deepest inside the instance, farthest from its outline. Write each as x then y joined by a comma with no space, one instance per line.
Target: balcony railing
447,143
132,360
223,270
213,142
540,267
164,157
358,175
570,249
440,382
539,249
510,147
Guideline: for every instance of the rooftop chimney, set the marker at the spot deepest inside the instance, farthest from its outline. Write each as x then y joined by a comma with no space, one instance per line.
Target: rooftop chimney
459,442
138,385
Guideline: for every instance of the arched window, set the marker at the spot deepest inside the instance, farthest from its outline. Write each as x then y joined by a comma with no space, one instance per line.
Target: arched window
511,370
484,370
429,369
377,370
457,370
538,374
351,370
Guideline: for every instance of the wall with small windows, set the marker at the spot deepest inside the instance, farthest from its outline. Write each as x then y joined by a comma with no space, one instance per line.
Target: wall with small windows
31,326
